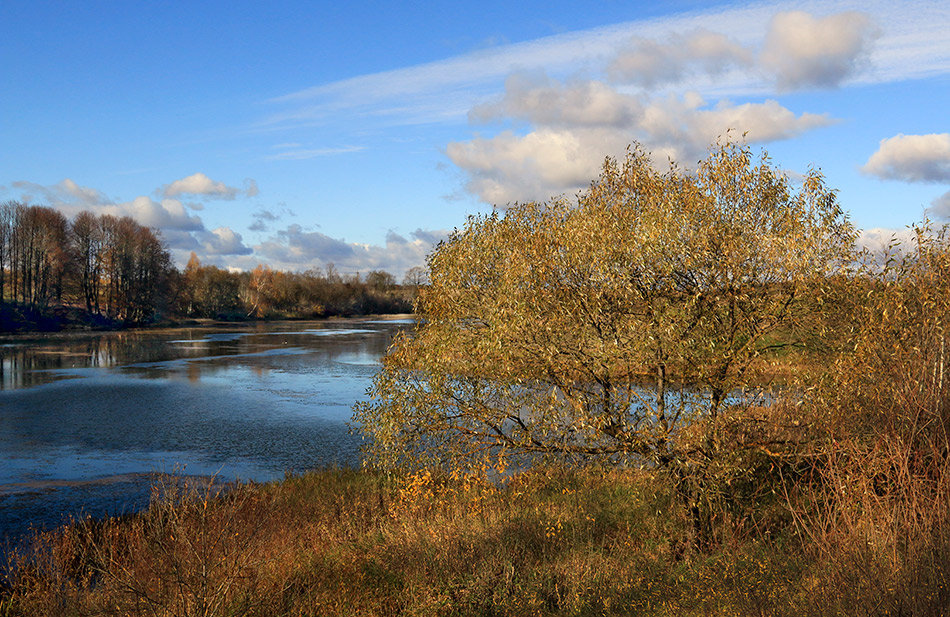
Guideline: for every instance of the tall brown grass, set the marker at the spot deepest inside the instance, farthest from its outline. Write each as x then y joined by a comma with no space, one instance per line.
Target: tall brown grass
546,542
878,523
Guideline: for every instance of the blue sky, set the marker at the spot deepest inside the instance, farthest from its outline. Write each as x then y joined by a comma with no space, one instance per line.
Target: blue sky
299,134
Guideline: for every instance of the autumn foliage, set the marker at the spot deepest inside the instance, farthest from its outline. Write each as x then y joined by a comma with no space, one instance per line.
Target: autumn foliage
628,326
113,267
119,272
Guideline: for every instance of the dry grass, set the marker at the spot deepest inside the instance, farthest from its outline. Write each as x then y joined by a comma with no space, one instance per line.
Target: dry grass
549,542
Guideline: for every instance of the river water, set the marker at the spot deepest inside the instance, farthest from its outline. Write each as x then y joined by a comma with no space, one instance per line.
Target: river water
88,420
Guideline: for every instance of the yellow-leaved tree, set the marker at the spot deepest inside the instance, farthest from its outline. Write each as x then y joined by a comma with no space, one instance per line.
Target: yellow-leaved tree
619,326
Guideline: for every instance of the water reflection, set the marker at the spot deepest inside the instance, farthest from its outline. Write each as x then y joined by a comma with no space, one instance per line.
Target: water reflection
33,362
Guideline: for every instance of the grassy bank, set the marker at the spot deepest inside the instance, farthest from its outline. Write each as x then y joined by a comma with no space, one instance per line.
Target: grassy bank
548,542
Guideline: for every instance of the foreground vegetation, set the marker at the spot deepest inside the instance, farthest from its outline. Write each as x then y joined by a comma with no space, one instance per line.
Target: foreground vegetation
594,541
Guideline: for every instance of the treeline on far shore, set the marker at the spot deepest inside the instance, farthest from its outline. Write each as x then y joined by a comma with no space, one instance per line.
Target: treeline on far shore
102,271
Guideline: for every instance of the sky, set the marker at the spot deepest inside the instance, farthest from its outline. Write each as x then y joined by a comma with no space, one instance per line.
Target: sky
302,134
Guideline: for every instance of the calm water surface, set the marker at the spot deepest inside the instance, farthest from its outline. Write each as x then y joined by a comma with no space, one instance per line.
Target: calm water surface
86,421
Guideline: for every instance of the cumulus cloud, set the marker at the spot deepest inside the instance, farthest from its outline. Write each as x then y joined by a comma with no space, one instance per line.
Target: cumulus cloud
168,217
881,239
803,51
223,241
199,184
429,237
296,245
577,124
83,194
70,198
295,248
181,230
167,214
65,192
881,244
648,63
536,98
510,168
940,207
573,124
180,242
912,158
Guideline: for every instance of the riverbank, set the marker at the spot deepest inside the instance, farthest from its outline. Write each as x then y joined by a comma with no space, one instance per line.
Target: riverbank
346,542
351,542
17,323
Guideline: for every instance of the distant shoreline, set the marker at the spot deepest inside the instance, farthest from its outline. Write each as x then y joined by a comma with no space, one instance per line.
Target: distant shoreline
70,328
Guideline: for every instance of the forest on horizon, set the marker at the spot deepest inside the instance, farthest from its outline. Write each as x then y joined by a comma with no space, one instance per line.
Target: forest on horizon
107,271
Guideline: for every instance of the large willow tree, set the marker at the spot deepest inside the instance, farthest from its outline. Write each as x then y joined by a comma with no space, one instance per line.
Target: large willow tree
610,326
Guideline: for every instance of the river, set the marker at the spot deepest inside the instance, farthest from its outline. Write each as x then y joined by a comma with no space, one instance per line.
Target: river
88,420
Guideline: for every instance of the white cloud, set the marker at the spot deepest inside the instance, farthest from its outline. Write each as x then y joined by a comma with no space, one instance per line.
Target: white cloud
301,154
296,245
536,98
169,217
806,52
648,62
882,244
83,194
223,241
912,158
180,243
576,125
880,239
915,43
70,198
65,192
509,168
295,248
940,207
167,214
573,124
200,184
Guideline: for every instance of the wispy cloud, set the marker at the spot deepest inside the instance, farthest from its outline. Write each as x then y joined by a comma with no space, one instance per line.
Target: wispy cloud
304,153
649,62
915,43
